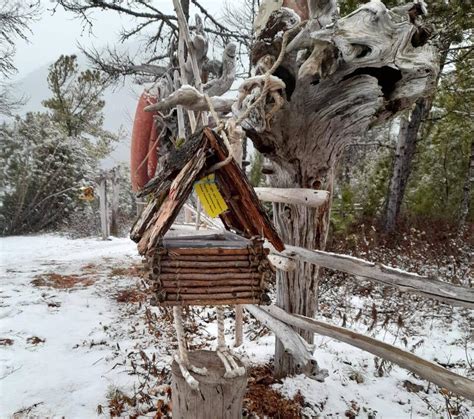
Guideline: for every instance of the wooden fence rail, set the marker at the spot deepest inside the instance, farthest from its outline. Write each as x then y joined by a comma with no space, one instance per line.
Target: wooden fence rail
405,281
425,369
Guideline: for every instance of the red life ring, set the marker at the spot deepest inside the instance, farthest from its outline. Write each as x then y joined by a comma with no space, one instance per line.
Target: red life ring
143,158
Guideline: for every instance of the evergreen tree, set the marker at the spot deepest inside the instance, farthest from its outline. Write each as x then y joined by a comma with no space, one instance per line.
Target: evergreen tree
42,172
49,156
77,105
437,186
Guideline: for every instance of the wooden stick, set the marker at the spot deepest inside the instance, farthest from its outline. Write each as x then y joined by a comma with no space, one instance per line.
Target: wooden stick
406,281
184,32
210,277
211,291
295,196
209,258
209,271
209,251
210,302
293,343
167,284
217,296
190,264
421,367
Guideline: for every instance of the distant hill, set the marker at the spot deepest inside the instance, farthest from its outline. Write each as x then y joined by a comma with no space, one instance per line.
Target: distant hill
120,103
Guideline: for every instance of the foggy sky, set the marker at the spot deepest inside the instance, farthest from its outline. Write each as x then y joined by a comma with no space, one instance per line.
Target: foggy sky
60,33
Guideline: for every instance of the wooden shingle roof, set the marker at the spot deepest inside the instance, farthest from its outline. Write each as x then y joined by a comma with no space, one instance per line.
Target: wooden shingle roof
173,184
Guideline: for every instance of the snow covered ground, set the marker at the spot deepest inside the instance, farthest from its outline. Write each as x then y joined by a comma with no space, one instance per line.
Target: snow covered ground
72,333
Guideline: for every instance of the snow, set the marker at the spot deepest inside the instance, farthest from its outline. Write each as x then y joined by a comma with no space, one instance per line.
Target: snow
91,341
63,373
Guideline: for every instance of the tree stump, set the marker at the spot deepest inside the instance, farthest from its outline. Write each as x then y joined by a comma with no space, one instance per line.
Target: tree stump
217,397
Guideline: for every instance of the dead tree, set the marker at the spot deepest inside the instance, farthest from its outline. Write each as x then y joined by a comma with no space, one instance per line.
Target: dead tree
341,76
319,83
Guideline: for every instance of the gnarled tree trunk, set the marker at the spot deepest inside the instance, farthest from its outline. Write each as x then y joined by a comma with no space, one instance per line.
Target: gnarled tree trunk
320,82
340,78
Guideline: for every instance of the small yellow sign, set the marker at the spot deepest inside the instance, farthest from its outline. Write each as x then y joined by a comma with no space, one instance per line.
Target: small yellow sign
87,193
211,199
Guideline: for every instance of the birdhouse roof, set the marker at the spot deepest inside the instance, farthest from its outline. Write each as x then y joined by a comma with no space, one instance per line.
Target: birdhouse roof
173,184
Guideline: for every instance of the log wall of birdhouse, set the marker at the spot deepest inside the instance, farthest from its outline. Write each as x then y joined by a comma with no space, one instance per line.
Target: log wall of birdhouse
210,270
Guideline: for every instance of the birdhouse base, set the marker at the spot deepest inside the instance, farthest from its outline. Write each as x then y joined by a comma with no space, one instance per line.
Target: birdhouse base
217,396
218,269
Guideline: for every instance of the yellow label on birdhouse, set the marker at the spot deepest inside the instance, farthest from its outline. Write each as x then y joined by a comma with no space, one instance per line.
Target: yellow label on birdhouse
211,199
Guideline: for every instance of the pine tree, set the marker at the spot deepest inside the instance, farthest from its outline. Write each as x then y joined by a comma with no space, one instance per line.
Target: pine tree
77,105
42,172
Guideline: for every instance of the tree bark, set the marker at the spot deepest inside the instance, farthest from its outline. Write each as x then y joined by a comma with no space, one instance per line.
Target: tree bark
217,397
297,290
466,197
406,149
339,80
114,206
403,162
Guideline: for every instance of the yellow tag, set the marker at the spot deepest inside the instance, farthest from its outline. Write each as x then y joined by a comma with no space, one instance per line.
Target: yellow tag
87,193
210,197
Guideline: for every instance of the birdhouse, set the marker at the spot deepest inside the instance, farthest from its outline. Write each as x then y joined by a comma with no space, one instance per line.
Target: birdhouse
218,269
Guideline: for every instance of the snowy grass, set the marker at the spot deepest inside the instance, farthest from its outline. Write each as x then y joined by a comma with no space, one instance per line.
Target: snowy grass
67,349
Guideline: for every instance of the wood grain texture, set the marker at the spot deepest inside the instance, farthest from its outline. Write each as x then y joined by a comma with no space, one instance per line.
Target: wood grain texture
423,368
217,397
406,281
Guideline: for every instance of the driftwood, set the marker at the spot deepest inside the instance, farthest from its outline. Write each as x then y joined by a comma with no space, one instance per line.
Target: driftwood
294,344
282,263
190,98
406,281
425,369
296,196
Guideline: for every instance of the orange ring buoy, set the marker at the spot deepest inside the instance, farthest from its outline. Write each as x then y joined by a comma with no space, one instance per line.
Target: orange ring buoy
153,151
144,145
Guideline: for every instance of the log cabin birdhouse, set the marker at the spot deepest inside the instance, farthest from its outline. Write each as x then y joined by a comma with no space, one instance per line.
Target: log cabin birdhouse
220,269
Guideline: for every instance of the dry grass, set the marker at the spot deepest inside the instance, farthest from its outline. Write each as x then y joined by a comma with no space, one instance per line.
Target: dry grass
58,281
89,268
130,295
6,342
263,401
35,340
134,271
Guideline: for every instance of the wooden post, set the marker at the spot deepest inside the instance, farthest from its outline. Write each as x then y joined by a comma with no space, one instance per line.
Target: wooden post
217,397
188,215
198,214
114,204
103,207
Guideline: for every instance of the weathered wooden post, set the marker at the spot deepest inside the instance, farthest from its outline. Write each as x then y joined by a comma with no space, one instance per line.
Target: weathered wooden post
104,222
217,396
114,203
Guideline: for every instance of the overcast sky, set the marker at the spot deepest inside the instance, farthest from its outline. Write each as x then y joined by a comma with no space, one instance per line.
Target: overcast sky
59,33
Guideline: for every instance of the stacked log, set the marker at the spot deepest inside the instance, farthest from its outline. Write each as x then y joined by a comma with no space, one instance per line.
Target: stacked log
220,270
